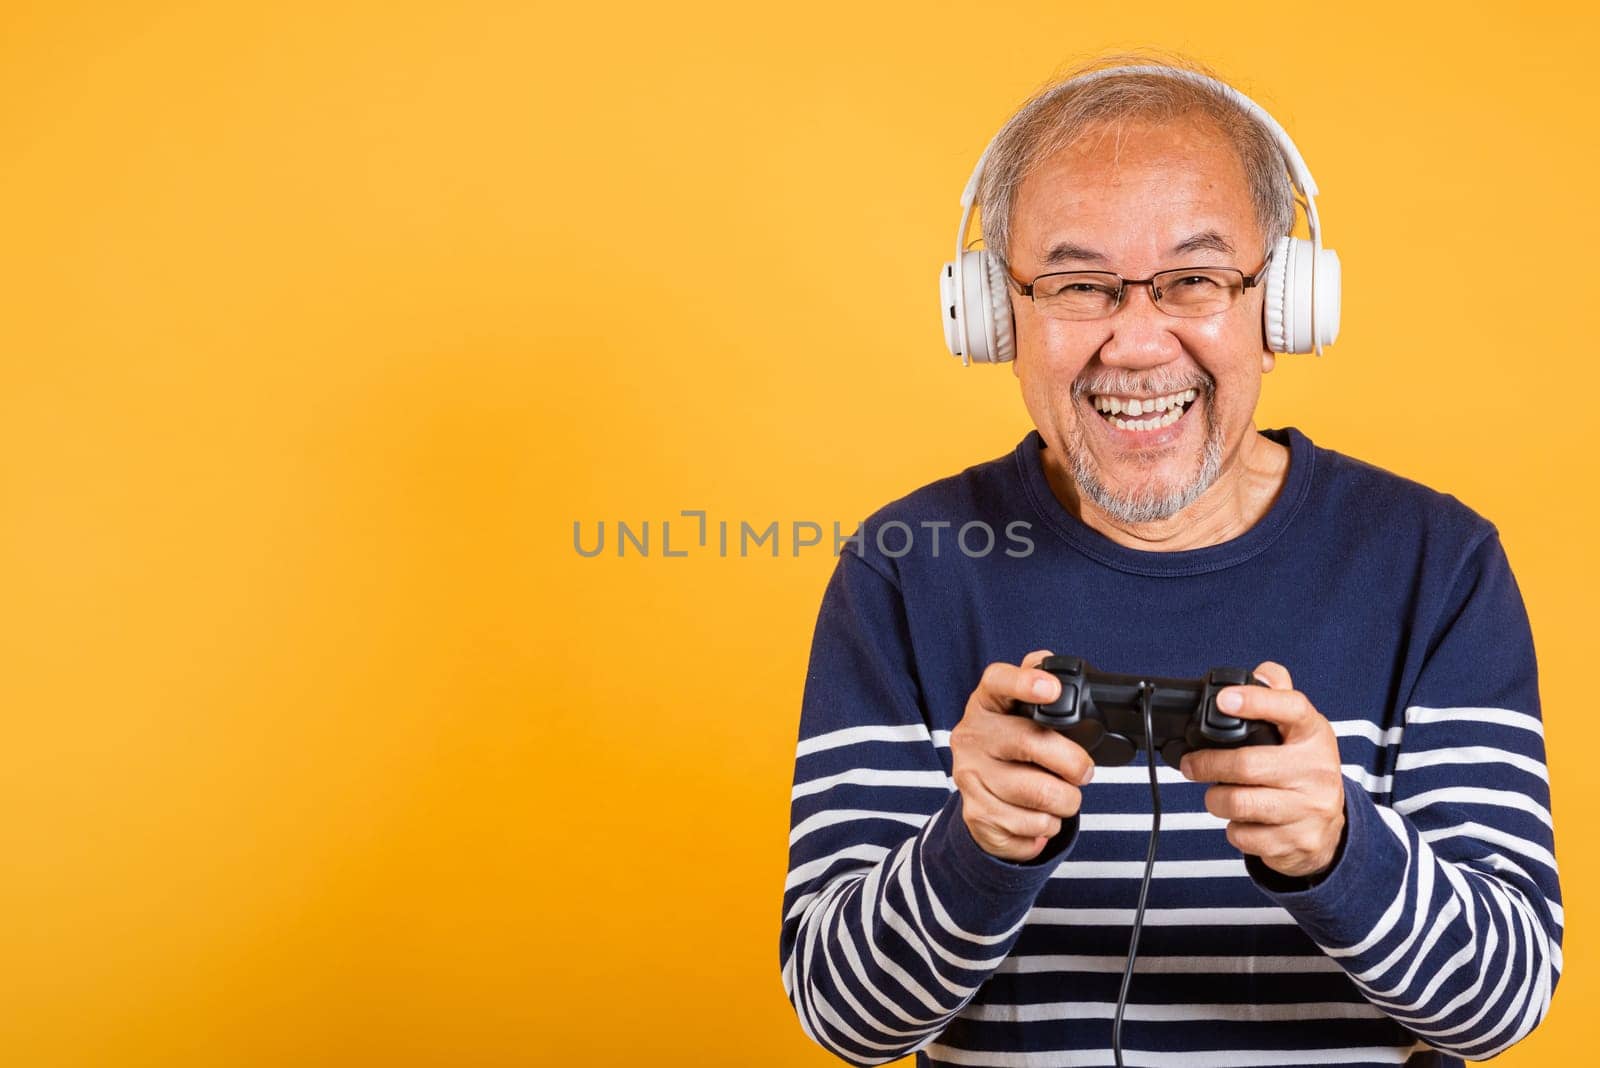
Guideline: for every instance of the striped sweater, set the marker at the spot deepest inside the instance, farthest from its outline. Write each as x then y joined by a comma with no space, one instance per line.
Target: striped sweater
1436,935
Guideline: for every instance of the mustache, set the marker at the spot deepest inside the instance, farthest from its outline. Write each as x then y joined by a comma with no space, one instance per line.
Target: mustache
1159,384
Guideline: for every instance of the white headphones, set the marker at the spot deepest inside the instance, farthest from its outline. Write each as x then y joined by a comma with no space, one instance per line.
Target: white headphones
1301,311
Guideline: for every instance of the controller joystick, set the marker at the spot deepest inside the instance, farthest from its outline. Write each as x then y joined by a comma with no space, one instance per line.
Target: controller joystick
1104,712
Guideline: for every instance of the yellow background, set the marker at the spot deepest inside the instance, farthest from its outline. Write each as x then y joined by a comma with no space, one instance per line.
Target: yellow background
320,325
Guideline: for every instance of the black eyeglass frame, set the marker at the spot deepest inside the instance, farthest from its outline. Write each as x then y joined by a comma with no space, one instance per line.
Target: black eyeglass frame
1248,281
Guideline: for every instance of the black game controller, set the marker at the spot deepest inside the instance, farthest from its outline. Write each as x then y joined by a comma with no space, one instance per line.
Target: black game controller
1104,713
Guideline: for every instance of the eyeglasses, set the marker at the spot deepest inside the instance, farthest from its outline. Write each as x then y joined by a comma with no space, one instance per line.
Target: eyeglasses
1187,292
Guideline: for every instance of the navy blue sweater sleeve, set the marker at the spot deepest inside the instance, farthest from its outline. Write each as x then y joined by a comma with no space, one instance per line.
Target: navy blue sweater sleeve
1444,906
893,916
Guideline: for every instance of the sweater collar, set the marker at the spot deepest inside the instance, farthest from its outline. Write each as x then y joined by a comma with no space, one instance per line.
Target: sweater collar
1098,547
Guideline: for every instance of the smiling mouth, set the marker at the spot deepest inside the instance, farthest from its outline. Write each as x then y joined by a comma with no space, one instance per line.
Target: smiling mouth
1126,412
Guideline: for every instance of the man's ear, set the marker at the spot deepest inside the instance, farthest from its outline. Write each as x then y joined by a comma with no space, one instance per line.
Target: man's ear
1268,362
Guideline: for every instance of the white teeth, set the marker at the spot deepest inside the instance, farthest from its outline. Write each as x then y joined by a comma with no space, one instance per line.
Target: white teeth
1166,420
1136,406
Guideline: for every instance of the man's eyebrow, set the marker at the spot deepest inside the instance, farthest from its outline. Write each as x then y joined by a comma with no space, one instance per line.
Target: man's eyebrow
1066,252
1206,239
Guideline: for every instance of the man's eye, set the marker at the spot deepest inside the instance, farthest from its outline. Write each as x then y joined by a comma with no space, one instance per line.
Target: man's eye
1195,281
1081,289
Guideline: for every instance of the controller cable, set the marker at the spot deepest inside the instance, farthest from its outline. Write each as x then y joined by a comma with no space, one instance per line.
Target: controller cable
1146,694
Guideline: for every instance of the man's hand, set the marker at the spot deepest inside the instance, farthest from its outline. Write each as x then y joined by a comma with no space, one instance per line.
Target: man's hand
1284,803
1018,780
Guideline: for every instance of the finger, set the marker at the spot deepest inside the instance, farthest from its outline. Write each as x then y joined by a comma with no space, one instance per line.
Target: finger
1025,743
1029,787
1033,659
1004,684
1256,839
1249,765
1289,709
1264,805
1284,849
1274,674
1019,823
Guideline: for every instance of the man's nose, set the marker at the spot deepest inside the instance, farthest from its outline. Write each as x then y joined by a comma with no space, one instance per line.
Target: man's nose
1141,333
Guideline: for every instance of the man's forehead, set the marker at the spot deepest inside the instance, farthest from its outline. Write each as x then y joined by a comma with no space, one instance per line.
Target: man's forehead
1158,190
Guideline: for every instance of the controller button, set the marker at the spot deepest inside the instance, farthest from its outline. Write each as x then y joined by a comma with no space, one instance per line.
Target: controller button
1218,725
1227,676
1114,751
1087,733
1066,704
1220,721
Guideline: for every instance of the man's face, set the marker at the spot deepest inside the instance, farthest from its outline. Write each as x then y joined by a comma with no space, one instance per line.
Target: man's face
1143,199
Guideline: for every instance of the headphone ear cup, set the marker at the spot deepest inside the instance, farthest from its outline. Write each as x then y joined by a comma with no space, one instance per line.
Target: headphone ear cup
986,316
1004,347
1278,310
1330,283
1287,309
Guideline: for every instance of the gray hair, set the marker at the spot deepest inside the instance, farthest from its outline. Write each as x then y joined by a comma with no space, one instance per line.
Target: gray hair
1064,111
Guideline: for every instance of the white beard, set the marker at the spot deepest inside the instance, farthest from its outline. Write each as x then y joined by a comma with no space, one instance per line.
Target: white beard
1146,505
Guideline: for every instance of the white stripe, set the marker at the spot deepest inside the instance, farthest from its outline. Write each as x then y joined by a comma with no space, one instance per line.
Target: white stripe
1536,1002
816,996
889,966
1361,728
801,872
1167,1013
1138,775
897,923
1501,863
941,914
1471,754
1391,915
1138,1058
835,816
847,944
941,739
1538,975
1212,917
861,1011
1031,963
1476,795
829,1014
807,990
1165,869
808,921
1503,717
1472,993
1418,957
1462,958
1493,836
913,732
1170,821
1398,954
1373,784
872,777
907,888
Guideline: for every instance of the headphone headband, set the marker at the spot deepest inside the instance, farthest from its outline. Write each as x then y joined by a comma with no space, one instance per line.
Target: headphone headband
1299,175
